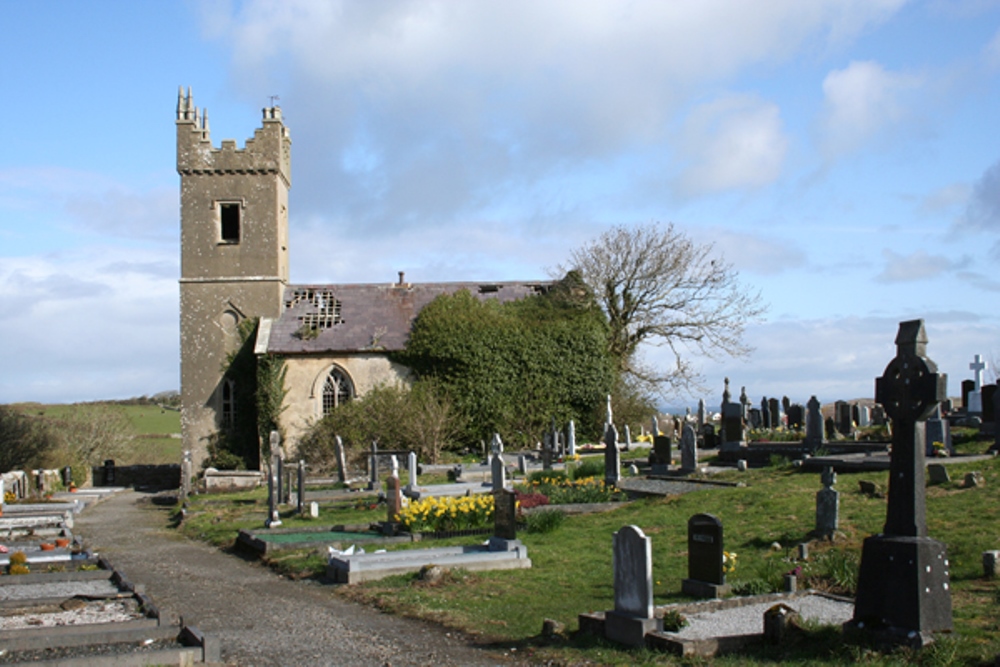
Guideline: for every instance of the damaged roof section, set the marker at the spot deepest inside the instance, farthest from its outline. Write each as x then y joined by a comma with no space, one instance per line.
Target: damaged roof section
323,319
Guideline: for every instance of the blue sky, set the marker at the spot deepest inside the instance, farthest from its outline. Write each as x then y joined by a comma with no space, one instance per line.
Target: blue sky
843,156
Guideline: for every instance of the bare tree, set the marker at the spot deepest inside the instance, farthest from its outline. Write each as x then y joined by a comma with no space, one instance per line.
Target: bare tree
659,287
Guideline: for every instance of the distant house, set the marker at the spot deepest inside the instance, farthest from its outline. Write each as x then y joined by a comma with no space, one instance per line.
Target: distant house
234,266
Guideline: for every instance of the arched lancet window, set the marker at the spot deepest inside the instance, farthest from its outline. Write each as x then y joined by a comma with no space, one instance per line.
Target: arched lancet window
228,403
337,389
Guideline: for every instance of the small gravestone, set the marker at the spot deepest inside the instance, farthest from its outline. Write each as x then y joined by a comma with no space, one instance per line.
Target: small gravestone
937,430
706,578
830,428
903,593
701,412
314,510
937,473
827,505
991,564
504,521
411,468
338,445
628,439
709,440
973,480
273,518
633,615
394,497
778,623
661,453
814,425
300,496
689,450
612,457
842,413
796,416
522,464
373,483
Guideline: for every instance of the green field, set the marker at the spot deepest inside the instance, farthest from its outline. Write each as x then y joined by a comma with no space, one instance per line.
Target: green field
157,430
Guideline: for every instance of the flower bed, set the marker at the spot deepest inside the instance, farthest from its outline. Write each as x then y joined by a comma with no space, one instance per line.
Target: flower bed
447,514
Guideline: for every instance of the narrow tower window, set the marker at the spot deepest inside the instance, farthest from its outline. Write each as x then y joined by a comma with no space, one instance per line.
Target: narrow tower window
337,389
228,404
229,219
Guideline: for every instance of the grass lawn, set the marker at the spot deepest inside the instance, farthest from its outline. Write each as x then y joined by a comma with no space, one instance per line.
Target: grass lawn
572,566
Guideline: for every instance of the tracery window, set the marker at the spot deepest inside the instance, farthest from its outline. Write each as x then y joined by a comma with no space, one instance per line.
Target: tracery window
228,404
337,389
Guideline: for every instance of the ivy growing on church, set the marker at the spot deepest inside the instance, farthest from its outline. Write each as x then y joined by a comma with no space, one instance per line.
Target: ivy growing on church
258,395
511,368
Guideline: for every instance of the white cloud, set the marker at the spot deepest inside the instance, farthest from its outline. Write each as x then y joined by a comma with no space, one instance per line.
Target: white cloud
991,54
94,322
762,254
918,265
736,141
863,102
461,103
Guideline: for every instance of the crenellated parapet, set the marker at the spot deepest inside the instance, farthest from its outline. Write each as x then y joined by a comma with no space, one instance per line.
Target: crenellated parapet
268,152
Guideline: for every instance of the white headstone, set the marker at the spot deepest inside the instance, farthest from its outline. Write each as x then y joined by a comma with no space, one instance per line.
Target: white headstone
571,439
314,510
976,396
411,464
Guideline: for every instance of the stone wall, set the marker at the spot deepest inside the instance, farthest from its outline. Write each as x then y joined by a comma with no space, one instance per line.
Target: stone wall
147,477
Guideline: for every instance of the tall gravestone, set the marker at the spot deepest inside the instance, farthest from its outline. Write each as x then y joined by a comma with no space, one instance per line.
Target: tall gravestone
814,425
765,413
733,428
504,520
701,413
571,438
903,591
338,445
628,438
273,518
498,470
300,497
968,386
843,418
706,577
988,394
774,405
411,468
689,449
975,404
612,457
373,482
827,505
633,615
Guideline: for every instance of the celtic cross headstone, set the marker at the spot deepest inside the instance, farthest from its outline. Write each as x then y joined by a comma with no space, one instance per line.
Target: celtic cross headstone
903,591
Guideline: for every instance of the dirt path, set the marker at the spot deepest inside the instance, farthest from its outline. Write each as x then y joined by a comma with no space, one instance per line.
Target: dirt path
259,617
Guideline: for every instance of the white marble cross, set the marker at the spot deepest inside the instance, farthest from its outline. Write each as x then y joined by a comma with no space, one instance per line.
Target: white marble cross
977,367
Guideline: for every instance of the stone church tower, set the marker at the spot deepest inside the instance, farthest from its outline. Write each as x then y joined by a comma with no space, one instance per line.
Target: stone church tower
234,256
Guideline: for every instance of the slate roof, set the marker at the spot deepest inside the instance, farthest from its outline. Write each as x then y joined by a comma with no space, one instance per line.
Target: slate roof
351,318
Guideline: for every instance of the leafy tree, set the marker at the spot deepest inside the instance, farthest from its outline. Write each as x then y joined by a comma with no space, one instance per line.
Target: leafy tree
657,286
24,441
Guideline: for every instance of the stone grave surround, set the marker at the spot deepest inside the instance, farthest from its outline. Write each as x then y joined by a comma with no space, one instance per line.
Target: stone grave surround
903,591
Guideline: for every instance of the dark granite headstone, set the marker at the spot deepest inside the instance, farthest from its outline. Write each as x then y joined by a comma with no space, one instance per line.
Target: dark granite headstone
796,416
842,417
754,418
814,425
968,386
705,549
765,413
708,438
774,407
505,514
989,411
733,427
394,498
662,447
612,457
903,591
878,415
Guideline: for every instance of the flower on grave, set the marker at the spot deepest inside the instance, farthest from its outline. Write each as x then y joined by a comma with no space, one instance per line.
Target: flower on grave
939,449
728,562
9,497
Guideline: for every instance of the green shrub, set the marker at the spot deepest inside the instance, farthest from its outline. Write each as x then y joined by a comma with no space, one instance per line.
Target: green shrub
544,521
588,467
752,587
547,477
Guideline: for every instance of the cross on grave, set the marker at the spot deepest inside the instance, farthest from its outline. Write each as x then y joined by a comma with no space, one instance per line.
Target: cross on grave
977,367
903,591
975,402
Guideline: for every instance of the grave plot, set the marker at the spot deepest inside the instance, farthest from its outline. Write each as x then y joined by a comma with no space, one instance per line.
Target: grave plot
266,541
93,617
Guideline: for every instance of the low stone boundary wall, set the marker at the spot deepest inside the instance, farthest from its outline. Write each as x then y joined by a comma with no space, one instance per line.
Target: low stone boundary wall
155,477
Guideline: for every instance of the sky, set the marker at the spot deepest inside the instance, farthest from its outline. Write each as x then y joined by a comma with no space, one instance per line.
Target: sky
842,156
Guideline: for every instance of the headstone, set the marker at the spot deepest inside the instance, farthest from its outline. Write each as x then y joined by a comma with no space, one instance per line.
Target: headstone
662,447
988,395
991,564
814,425
274,443
689,450
856,414
903,586
67,476
843,417
878,415
504,517
655,426
830,428
373,483
755,419
765,413
775,408
827,505
522,464
628,439
109,472
338,445
741,465
412,470
612,457
273,518
547,452
300,497
973,479
633,615
864,416
780,619
394,497
571,438
733,428
937,473
706,578
938,429
314,510
609,417
968,386
796,416
498,472
701,413
708,438
975,404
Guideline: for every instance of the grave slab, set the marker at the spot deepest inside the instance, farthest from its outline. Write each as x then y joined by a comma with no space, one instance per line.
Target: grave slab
369,567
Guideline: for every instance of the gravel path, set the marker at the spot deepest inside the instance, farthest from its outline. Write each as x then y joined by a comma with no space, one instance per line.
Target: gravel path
259,617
